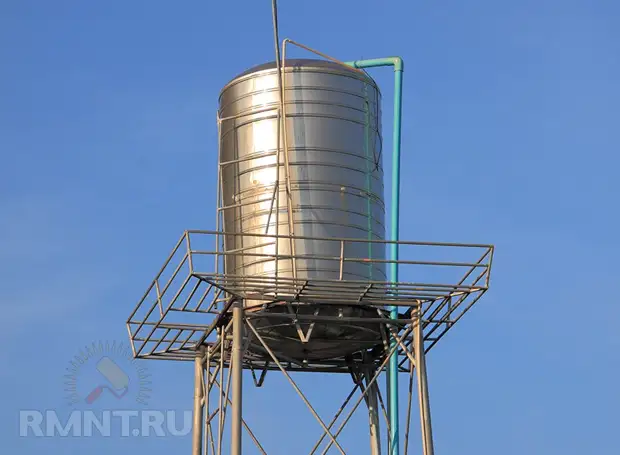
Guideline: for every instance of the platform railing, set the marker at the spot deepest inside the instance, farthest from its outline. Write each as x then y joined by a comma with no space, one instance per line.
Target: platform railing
190,291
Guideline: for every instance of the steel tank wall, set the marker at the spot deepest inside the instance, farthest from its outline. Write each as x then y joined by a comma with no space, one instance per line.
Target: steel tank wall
336,176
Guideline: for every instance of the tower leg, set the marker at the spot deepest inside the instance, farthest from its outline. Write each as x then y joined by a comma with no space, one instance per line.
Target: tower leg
237,376
198,426
420,366
373,413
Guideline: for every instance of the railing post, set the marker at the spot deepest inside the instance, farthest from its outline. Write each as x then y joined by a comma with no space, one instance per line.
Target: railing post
341,259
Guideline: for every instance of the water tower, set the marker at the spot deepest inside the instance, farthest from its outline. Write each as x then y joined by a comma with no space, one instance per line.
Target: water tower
299,275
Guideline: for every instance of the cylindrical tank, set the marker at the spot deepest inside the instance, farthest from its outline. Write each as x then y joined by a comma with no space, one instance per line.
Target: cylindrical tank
335,177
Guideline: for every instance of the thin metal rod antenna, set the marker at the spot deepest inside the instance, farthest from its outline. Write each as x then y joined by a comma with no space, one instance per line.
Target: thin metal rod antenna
282,118
299,392
274,13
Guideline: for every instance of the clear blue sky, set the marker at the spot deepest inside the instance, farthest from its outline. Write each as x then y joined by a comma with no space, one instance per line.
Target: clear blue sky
511,136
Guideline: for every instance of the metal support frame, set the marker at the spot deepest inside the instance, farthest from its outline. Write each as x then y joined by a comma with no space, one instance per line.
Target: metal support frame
218,375
227,336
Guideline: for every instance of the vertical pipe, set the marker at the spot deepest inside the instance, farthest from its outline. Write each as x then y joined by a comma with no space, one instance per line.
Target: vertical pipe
197,427
237,376
423,398
393,256
392,371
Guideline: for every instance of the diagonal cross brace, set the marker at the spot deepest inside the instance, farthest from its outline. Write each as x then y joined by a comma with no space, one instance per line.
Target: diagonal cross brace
296,387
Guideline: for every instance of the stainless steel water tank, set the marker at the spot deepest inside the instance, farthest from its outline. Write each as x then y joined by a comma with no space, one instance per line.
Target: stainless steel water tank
333,135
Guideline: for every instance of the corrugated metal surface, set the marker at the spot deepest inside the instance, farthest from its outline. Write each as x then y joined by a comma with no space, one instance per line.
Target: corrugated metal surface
336,177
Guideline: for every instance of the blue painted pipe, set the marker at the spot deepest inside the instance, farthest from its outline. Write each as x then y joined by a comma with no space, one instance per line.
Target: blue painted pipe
399,67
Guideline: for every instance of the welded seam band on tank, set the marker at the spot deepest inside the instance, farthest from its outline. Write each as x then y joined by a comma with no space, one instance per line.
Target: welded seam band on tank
306,222
272,152
295,115
245,113
325,183
305,164
302,102
249,196
300,209
246,196
306,88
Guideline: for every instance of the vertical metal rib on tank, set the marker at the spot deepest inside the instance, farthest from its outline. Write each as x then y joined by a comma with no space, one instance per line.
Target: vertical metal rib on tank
336,188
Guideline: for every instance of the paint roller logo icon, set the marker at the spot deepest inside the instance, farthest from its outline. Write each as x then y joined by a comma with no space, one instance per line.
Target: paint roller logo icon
112,368
118,381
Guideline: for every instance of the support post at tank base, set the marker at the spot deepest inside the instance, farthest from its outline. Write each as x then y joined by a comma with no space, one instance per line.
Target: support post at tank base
237,378
198,423
392,372
423,396
218,371
223,384
373,412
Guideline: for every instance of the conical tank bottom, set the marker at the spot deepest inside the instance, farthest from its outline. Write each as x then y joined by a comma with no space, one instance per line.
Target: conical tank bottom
337,331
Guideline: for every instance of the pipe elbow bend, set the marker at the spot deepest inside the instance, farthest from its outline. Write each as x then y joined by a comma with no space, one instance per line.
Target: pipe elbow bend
399,64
